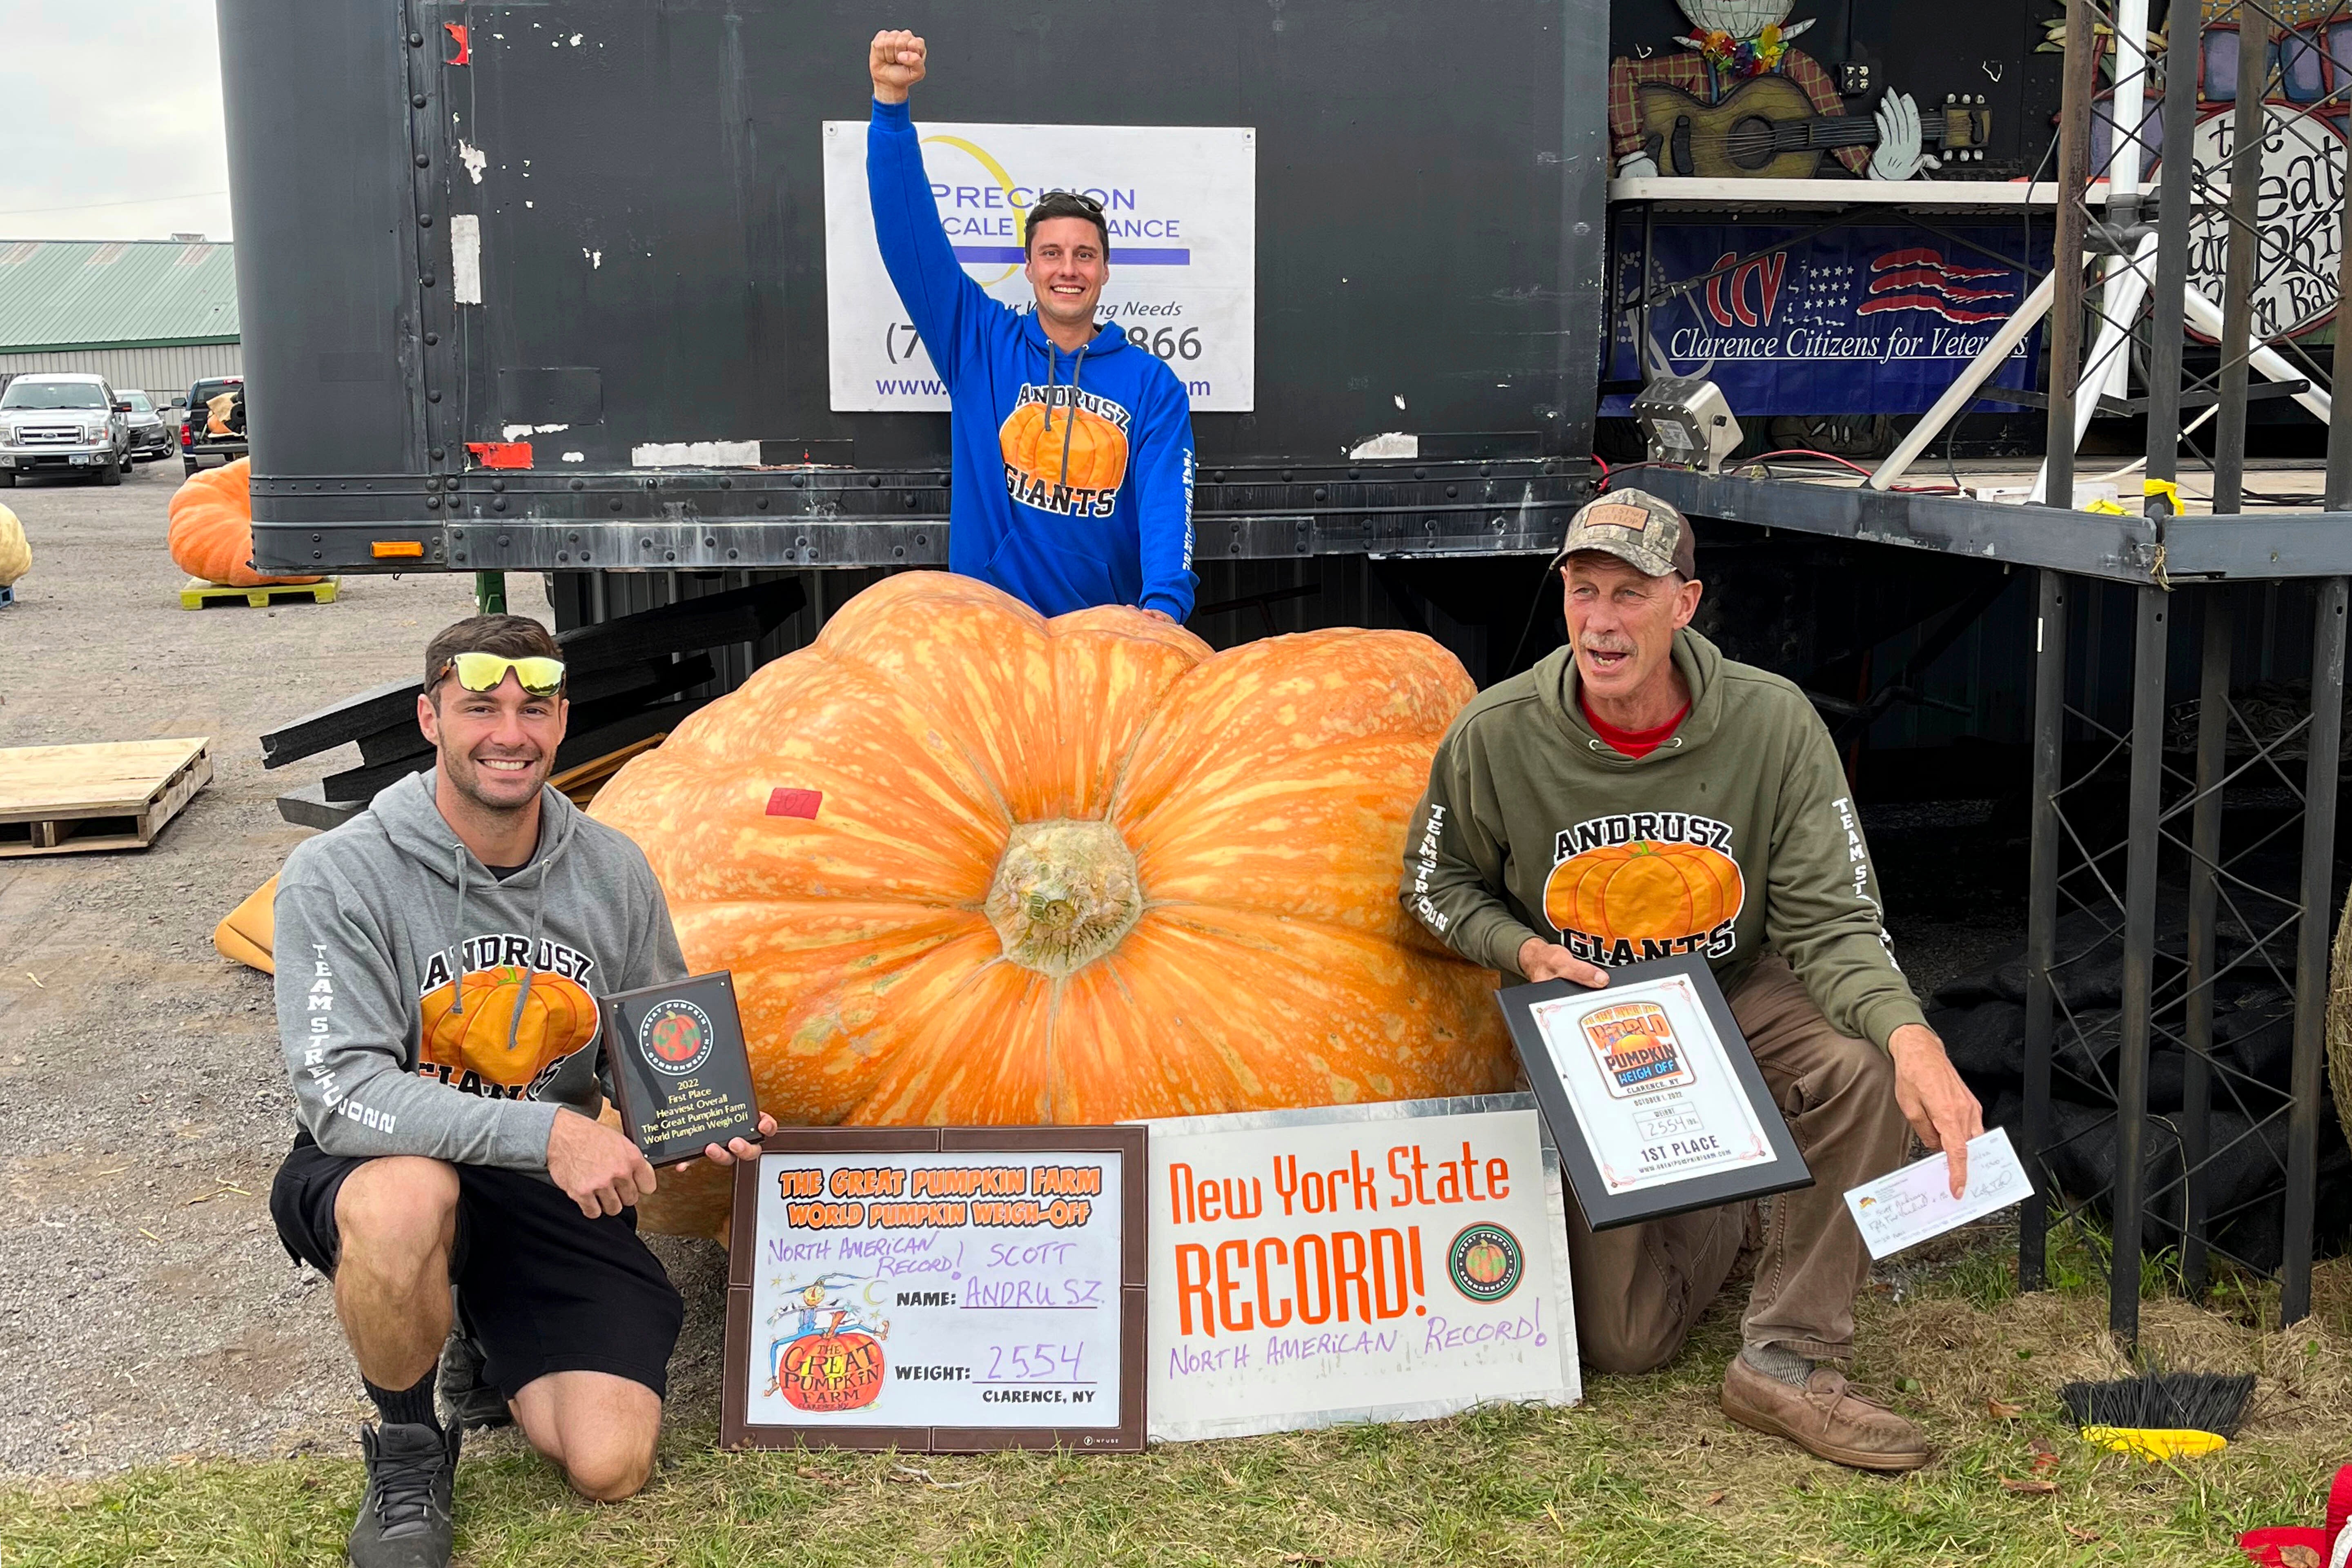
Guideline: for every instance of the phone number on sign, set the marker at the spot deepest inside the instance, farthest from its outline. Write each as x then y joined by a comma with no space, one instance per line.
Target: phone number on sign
900,340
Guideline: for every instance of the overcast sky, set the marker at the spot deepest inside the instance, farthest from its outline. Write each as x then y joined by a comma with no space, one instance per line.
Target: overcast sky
110,119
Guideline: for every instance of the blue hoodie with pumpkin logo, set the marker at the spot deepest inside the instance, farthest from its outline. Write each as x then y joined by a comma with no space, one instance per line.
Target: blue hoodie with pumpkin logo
1073,479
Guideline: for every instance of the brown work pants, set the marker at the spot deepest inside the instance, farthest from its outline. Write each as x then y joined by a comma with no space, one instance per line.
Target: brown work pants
1639,1288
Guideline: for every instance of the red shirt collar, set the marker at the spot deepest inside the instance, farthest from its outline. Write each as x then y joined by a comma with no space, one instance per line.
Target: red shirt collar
1633,744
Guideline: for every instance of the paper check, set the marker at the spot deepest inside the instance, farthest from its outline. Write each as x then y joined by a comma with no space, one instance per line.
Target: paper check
1915,1203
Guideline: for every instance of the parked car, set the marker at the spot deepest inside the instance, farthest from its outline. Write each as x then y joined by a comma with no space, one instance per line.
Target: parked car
149,439
198,437
64,422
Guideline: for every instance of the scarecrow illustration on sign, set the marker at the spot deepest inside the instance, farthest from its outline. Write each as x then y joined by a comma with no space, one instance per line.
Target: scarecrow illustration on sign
823,1306
1743,104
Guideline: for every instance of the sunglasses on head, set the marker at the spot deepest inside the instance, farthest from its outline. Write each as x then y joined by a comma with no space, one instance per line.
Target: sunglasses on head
538,675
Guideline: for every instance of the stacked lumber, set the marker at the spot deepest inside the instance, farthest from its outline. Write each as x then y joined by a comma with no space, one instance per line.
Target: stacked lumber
628,680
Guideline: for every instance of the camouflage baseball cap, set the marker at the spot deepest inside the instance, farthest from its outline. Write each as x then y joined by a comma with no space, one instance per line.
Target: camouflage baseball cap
1637,528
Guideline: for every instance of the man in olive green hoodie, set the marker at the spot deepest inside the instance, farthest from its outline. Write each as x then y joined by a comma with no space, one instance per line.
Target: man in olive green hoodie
1637,795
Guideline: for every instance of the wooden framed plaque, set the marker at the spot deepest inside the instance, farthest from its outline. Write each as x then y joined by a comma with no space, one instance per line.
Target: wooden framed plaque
681,1077
1650,1092
946,1289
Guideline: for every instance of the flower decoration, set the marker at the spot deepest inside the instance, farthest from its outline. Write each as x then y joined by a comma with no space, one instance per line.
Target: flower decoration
1738,58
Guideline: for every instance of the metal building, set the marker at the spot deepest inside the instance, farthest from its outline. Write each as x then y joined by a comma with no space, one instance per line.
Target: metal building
154,314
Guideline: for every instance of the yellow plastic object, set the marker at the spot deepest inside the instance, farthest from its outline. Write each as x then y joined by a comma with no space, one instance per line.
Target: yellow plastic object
2108,508
244,934
15,554
2153,1443
2165,488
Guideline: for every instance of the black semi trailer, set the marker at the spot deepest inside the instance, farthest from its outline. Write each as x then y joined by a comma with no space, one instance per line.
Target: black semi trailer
598,229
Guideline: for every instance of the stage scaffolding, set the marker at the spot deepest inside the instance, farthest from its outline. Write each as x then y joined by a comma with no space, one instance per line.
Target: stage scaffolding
2112,812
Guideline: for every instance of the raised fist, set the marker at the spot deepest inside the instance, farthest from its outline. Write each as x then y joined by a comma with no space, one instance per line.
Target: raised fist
895,63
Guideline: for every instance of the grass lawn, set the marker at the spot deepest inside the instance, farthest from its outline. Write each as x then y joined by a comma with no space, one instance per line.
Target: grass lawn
1647,1472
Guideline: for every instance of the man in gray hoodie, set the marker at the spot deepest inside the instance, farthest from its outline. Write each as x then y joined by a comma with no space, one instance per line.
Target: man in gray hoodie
440,958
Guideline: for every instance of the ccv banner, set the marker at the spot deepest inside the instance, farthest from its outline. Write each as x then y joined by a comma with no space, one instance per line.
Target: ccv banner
1854,320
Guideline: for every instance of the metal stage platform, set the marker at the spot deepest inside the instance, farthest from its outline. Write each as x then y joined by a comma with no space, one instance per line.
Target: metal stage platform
2164,819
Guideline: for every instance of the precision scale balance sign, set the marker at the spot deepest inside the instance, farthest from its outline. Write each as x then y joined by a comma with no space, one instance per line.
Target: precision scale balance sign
1180,202
2298,212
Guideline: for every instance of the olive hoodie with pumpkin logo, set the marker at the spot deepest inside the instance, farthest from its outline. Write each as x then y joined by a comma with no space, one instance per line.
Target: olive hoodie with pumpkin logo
1737,833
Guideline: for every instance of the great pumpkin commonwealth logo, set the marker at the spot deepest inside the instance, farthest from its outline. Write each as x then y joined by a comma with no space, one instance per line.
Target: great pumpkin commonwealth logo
673,1037
1484,1262
1635,886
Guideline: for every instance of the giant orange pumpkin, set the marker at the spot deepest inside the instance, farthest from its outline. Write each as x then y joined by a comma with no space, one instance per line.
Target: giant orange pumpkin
558,1017
972,866
1034,439
211,527
1658,891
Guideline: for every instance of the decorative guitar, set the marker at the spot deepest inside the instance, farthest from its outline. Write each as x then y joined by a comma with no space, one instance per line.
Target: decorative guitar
1767,129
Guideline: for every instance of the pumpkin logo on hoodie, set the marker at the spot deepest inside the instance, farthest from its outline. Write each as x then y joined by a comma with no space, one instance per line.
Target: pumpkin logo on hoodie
1643,885
1065,450
483,1046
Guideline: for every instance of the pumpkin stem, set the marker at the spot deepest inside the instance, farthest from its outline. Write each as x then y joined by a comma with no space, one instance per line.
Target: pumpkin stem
1063,895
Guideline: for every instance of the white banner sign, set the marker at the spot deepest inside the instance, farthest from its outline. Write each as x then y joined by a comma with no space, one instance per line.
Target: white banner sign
1359,1263
1182,206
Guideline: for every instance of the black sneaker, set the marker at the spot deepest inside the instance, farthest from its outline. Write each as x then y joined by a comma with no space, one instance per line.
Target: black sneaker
466,1400
403,1520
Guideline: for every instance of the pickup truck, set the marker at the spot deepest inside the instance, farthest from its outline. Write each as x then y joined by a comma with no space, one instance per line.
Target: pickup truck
63,422
199,437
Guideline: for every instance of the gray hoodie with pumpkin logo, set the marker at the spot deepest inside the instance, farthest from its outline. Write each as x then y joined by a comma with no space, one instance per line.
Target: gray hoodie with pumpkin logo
427,1007
1737,832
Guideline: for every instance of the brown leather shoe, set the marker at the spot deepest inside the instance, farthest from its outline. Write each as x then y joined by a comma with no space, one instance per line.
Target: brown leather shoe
1826,1417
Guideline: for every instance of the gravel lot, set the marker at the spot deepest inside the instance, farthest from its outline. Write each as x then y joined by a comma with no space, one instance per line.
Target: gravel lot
146,1308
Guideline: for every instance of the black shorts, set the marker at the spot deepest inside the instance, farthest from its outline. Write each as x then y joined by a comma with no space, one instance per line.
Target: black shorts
541,1288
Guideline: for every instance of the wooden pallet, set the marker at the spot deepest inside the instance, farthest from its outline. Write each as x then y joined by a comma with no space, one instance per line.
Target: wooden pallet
200,594
117,794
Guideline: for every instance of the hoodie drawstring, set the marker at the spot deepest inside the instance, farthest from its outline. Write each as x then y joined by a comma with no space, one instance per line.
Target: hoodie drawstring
538,925
457,969
1070,420
1070,425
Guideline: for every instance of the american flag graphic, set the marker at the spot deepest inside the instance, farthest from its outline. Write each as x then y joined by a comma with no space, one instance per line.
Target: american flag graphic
1920,279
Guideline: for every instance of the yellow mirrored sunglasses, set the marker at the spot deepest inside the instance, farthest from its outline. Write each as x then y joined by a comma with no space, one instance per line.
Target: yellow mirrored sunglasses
538,675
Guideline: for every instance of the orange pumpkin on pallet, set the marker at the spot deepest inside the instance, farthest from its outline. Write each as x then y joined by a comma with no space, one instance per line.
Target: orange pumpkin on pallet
211,527
972,866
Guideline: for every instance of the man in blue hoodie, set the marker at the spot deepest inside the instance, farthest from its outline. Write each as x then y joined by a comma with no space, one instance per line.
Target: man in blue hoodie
1072,448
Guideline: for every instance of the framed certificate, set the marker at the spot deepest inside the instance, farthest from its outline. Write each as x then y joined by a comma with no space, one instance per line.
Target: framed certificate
1650,1092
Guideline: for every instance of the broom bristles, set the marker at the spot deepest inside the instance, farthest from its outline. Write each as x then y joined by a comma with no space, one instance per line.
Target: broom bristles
2189,1401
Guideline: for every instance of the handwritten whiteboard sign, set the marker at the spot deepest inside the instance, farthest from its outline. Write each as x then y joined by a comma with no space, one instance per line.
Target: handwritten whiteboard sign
938,1288
1391,1262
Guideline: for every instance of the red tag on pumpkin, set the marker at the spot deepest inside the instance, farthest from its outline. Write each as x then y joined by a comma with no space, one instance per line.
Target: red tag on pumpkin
795,802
